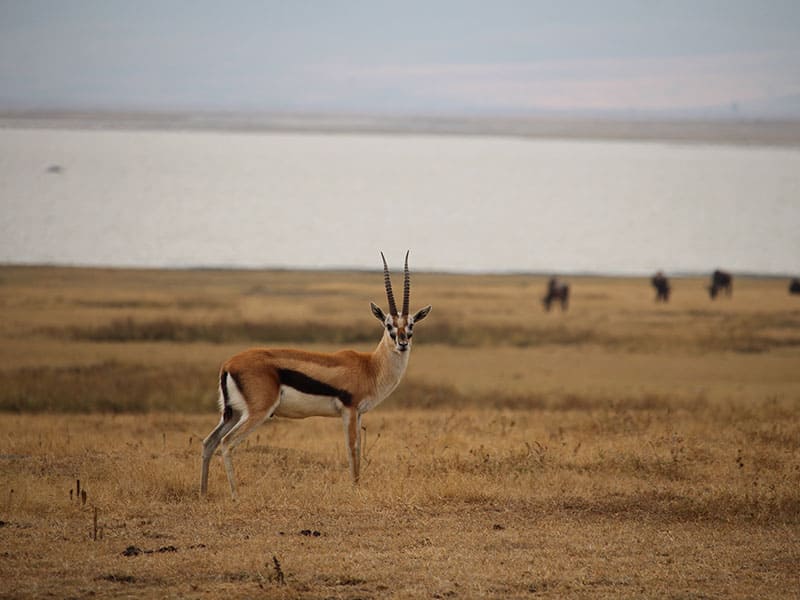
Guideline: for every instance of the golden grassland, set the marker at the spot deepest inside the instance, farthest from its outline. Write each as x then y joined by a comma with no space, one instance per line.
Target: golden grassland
620,449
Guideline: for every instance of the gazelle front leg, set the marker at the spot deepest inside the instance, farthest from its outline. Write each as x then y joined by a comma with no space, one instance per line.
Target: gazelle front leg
352,433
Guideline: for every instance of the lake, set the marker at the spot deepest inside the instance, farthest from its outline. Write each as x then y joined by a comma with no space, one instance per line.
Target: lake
460,203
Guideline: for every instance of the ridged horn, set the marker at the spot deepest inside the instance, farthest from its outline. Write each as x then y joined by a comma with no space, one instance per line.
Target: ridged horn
406,286
388,283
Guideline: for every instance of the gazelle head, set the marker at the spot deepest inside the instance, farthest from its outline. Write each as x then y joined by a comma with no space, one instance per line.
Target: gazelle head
399,327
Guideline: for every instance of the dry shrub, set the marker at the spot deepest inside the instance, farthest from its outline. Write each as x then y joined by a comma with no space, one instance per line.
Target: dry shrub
715,332
108,387
175,330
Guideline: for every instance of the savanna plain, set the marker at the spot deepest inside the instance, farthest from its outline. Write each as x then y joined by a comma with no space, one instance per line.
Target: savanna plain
622,448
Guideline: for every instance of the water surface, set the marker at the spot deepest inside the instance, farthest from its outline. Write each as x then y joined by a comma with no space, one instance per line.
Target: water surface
188,199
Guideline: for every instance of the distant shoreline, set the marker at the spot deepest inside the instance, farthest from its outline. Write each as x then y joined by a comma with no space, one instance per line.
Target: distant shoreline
678,274
782,133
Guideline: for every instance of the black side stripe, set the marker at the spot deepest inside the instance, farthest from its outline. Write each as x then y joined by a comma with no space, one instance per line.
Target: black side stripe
227,410
308,385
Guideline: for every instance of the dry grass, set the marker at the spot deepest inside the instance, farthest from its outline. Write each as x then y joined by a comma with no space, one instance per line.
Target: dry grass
622,449
472,502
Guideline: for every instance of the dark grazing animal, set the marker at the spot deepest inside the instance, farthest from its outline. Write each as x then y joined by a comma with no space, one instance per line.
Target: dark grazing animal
556,291
661,283
794,286
720,281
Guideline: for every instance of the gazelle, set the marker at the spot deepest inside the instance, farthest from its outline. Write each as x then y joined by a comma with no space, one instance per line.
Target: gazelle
260,383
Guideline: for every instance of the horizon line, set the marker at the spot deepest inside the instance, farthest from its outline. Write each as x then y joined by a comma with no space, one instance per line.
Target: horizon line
686,273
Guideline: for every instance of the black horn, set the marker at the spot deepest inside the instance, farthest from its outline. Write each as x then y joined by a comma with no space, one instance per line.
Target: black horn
406,286
388,283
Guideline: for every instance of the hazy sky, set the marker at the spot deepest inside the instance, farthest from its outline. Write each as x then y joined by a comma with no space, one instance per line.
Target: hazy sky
400,56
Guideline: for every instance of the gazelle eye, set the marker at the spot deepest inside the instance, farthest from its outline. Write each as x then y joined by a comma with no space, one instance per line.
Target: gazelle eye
388,327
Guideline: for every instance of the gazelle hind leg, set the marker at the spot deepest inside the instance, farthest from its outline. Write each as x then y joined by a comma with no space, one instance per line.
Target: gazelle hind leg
235,437
228,443
212,441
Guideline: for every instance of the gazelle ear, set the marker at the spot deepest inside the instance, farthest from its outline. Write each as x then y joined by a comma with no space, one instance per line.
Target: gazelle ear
376,310
421,314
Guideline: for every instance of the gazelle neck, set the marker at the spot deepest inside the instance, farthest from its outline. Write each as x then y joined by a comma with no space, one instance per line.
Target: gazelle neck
389,364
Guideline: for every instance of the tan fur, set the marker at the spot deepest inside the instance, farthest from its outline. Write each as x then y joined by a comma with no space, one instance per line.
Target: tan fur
256,370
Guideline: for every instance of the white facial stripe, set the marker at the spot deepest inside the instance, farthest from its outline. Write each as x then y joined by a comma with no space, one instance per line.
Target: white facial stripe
399,330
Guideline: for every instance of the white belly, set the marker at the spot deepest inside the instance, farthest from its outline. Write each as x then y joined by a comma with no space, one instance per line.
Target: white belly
297,405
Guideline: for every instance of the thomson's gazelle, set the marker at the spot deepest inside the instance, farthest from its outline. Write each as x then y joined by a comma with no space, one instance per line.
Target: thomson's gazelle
260,383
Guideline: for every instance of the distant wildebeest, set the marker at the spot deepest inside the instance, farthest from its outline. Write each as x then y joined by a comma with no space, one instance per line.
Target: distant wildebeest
556,291
720,281
794,286
661,283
